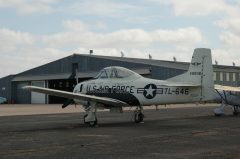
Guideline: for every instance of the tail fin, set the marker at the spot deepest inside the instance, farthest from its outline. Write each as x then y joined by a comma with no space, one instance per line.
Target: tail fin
200,73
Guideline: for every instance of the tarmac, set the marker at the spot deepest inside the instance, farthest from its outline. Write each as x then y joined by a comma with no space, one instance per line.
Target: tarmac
177,131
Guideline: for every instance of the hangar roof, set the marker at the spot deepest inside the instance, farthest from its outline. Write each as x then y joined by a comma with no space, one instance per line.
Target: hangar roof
162,63
62,68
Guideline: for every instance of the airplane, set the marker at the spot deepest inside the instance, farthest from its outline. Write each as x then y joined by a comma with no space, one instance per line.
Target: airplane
227,95
117,87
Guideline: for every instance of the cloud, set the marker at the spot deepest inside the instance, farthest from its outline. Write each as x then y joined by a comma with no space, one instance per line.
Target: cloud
75,25
25,58
133,42
199,8
29,6
230,39
28,50
195,8
226,56
99,8
226,17
230,24
11,40
230,34
79,35
20,51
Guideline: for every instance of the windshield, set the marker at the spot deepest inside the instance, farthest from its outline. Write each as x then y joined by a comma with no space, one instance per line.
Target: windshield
121,73
115,72
102,74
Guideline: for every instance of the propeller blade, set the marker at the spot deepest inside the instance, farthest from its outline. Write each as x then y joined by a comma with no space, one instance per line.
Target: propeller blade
67,103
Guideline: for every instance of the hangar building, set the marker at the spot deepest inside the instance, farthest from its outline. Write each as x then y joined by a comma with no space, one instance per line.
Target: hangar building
63,74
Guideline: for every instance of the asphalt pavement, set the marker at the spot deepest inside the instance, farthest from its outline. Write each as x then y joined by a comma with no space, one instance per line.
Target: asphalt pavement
189,132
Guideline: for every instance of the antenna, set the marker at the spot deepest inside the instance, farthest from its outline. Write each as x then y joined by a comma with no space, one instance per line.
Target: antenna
150,56
90,52
174,59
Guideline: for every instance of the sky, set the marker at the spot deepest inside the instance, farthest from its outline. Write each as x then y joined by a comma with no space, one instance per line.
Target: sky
35,32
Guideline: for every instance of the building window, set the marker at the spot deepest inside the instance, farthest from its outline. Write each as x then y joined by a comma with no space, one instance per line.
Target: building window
60,84
67,84
214,76
234,77
227,76
221,76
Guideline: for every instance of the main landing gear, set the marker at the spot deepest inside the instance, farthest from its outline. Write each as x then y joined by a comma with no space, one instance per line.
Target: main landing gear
138,115
90,118
220,110
236,110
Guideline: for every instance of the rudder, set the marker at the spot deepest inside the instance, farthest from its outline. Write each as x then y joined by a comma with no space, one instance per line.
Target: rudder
200,73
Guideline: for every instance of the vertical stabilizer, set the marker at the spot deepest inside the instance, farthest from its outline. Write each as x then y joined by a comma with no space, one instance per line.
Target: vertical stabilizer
200,73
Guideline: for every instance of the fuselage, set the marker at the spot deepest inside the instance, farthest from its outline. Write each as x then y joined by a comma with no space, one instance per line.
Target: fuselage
138,91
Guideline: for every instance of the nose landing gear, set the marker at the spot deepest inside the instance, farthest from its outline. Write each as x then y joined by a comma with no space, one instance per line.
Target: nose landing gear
138,115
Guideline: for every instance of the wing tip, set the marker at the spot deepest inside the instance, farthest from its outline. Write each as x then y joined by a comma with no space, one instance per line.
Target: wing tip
26,87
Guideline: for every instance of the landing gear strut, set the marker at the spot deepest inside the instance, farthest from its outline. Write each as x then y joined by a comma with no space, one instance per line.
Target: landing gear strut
90,118
138,115
236,110
220,110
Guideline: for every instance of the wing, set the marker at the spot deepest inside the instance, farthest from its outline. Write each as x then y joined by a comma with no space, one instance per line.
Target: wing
70,95
227,88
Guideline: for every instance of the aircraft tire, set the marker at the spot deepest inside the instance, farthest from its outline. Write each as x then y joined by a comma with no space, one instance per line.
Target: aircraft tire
138,117
93,123
235,113
218,115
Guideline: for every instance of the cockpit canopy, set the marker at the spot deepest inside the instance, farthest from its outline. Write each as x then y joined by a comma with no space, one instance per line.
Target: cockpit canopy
116,72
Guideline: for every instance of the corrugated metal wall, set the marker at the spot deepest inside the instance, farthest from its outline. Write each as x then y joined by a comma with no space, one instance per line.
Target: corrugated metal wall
6,87
22,96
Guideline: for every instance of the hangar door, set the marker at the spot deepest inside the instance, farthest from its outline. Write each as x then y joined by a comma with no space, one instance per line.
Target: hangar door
38,98
22,96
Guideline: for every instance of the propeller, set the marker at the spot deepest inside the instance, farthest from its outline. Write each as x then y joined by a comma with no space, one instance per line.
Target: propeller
67,103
